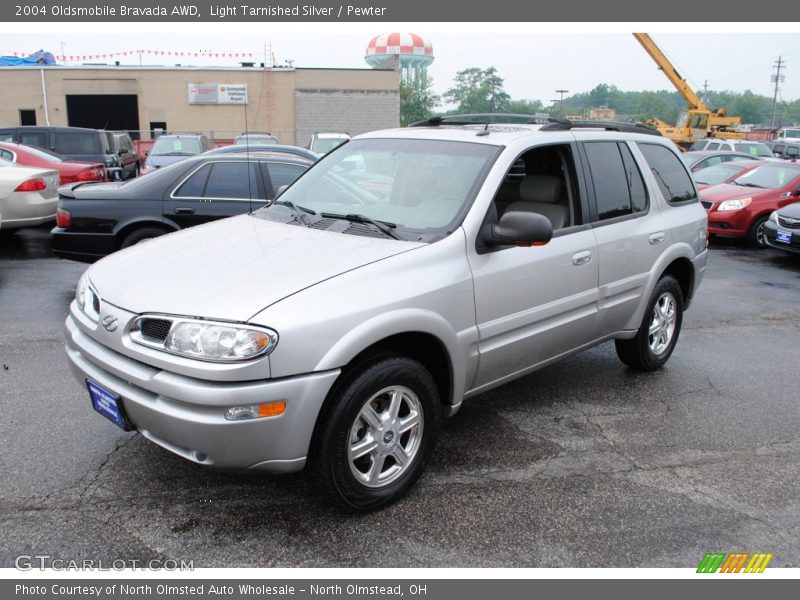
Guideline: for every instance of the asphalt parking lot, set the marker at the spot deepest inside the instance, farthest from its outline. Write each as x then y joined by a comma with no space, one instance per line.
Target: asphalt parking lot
583,464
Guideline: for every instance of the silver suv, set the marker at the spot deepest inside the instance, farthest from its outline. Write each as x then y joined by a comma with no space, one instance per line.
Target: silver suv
407,271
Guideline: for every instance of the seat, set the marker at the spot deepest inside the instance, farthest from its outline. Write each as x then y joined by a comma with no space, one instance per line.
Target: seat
542,194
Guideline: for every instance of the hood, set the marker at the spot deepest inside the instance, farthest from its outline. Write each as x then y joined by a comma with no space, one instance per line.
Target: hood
729,191
790,210
231,269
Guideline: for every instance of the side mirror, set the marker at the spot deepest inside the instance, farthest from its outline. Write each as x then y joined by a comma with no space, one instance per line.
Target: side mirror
796,191
518,228
281,190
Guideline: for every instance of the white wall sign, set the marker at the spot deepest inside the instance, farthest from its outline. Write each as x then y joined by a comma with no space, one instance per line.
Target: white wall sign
217,93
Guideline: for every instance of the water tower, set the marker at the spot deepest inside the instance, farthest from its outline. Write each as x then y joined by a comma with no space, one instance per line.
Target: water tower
404,52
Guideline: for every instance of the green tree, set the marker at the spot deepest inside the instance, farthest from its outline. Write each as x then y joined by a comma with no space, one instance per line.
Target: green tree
478,91
417,99
525,107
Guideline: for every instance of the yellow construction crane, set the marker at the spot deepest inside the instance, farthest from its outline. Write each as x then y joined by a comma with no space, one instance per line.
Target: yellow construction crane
698,121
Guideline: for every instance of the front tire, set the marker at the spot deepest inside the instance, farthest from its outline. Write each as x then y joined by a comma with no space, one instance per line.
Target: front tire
757,235
374,438
658,333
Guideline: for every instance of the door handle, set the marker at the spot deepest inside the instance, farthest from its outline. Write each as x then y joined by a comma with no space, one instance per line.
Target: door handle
657,238
184,211
581,258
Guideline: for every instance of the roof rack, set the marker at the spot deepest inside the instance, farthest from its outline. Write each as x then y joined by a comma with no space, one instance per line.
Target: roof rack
566,125
481,119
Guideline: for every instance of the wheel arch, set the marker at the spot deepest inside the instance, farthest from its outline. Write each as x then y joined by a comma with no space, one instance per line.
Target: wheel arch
125,229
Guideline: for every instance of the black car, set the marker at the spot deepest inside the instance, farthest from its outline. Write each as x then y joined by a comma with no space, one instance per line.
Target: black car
79,143
96,220
782,229
128,160
266,148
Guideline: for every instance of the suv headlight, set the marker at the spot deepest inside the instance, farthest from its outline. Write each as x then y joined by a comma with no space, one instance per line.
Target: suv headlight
80,292
773,216
729,205
204,340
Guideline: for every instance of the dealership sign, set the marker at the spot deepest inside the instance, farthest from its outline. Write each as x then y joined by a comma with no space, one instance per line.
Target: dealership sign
217,93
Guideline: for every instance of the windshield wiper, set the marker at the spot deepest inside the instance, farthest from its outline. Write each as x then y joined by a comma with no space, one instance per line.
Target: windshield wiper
384,226
749,185
297,210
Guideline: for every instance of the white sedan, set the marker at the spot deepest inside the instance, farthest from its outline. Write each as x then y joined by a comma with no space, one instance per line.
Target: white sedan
28,196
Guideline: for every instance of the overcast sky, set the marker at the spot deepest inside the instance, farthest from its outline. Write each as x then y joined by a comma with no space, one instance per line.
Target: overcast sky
534,63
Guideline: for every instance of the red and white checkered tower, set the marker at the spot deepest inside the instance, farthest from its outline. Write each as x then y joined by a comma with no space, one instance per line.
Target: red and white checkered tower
404,52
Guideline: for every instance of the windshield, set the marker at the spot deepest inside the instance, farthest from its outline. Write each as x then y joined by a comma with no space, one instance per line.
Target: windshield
753,149
325,145
771,177
166,146
419,185
791,133
45,154
717,174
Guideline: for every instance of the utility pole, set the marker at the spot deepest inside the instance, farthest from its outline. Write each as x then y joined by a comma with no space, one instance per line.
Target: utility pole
561,100
705,92
778,79
63,57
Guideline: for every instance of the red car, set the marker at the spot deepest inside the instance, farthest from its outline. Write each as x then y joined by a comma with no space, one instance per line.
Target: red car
69,171
723,172
741,208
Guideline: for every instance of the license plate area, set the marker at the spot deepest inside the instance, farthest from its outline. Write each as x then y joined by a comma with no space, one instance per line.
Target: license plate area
109,405
784,237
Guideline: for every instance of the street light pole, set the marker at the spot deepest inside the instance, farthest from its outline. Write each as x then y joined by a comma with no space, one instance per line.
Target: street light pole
561,100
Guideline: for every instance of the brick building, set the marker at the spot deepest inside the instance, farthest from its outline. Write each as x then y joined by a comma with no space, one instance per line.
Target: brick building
220,102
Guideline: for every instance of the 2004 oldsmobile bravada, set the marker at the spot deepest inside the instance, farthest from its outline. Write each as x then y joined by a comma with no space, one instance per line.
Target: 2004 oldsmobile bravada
406,271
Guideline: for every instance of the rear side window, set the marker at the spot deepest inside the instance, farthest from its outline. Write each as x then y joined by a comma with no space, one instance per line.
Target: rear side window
670,173
194,186
77,143
283,174
31,138
618,185
232,180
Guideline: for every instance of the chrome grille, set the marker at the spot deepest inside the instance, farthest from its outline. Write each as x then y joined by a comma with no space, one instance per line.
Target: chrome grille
788,222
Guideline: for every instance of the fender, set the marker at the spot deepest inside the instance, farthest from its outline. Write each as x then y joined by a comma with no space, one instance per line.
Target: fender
144,220
409,320
674,252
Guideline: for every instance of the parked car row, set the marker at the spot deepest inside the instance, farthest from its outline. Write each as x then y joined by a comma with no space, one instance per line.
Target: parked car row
28,195
112,149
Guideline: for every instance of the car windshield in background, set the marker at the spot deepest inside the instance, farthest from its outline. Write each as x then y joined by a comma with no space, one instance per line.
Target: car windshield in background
175,147
325,145
717,174
411,184
772,176
45,154
753,149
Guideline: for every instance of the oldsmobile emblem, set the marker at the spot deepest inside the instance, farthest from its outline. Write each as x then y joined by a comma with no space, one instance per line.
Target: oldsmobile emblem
110,323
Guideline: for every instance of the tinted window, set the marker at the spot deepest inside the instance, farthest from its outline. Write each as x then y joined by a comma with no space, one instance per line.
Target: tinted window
708,162
793,151
6,136
610,182
669,172
196,184
6,154
232,180
712,146
636,187
30,138
77,143
283,174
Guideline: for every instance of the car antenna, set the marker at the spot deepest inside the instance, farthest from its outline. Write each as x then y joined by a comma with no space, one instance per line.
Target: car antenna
247,154
484,131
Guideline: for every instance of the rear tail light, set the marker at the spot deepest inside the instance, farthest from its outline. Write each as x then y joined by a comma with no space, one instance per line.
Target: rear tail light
63,218
89,175
32,185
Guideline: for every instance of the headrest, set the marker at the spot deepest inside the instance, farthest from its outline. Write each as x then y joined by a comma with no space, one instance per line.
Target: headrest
540,188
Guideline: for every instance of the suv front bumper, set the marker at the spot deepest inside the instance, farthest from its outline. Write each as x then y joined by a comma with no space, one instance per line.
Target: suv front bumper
186,415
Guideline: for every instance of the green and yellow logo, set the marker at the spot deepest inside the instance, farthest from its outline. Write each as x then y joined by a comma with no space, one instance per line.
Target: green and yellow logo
720,562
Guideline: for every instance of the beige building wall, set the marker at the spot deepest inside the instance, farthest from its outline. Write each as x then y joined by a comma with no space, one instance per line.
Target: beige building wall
163,97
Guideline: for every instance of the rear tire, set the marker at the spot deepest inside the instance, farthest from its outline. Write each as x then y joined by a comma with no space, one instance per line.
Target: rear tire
375,435
139,235
658,333
757,235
